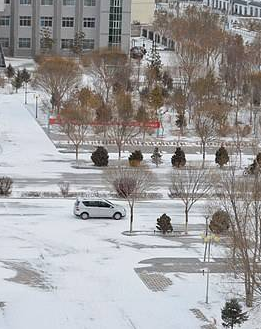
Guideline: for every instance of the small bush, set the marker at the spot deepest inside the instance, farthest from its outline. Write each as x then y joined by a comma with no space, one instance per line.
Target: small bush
220,222
164,224
64,188
178,159
156,157
100,157
222,157
6,185
136,156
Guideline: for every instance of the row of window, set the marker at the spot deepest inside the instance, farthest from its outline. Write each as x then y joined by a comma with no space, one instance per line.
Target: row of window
115,23
65,43
47,21
86,3
237,9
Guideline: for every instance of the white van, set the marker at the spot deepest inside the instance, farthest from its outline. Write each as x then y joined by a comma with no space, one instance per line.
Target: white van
98,208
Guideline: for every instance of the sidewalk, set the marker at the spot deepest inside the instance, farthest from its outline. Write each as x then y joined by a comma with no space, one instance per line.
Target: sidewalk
25,149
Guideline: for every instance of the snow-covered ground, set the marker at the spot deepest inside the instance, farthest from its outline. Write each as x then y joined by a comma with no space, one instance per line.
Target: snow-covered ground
60,272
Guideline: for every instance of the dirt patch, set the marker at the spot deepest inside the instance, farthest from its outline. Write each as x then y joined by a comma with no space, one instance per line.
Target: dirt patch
27,275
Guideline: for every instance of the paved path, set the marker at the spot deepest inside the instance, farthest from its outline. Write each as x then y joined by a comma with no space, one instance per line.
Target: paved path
182,265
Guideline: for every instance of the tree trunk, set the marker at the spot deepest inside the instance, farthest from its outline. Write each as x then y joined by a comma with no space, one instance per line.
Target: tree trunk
186,220
25,93
131,218
138,82
77,153
107,95
203,153
119,152
248,290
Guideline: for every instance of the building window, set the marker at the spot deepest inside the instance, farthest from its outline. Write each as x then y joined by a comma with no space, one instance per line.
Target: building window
68,22
26,2
69,2
4,42
88,44
89,22
4,20
25,21
115,23
46,2
7,2
88,3
46,21
24,43
66,43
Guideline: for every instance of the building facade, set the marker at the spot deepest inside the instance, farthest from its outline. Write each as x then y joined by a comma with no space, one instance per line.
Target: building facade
236,7
105,23
143,11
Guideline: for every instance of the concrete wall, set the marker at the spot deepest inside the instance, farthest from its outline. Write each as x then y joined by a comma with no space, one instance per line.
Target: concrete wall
143,11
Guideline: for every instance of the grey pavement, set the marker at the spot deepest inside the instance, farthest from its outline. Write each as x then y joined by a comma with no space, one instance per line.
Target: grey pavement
182,265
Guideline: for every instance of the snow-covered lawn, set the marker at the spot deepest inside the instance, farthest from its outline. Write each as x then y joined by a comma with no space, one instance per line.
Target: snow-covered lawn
60,272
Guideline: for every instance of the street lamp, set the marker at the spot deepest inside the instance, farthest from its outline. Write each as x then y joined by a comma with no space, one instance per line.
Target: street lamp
36,104
208,239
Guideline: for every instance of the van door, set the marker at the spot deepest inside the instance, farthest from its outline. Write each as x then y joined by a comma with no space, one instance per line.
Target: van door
105,210
92,207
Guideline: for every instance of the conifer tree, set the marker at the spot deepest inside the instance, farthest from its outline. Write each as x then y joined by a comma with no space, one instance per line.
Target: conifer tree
156,157
17,81
25,76
100,157
222,157
164,224
155,63
10,71
78,41
232,314
178,159
46,40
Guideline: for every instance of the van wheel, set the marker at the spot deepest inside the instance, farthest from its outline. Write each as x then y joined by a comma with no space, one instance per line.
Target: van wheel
84,216
117,216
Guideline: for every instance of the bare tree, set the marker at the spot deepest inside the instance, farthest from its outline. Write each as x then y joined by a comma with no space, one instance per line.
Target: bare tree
57,77
130,184
189,185
205,126
240,132
122,126
241,199
76,116
108,68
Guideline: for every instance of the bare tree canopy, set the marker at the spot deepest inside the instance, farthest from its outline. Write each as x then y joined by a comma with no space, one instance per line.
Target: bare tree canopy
57,77
109,68
76,116
189,185
130,184
120,129
241,199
